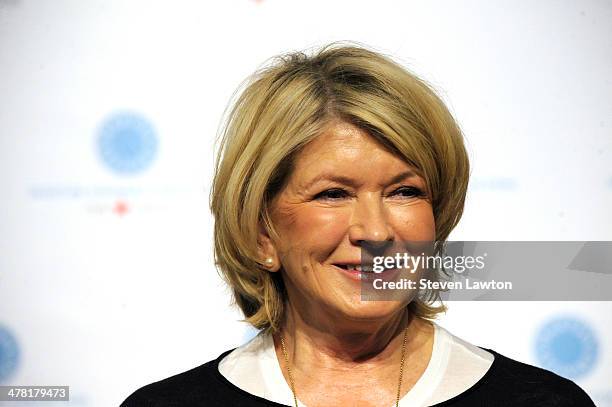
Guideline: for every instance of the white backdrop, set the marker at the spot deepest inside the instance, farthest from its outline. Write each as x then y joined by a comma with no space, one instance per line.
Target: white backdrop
106,274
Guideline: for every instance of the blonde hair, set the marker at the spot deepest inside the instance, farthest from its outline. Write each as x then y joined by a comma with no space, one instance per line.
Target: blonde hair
284,106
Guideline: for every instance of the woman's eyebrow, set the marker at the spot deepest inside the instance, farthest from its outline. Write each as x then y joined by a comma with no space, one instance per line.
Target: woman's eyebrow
401,176
326,176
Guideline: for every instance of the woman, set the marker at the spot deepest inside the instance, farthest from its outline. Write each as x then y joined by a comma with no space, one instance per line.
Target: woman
320,155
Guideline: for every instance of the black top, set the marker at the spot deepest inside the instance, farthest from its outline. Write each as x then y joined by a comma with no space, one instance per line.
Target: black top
506,383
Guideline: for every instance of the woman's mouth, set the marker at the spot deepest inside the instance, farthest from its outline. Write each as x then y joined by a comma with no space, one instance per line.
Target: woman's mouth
356,271
360,272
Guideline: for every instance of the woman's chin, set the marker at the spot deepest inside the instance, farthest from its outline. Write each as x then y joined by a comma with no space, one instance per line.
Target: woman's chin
371,310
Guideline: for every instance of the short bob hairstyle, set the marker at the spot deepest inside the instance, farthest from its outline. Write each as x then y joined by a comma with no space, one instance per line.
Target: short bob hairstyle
284,106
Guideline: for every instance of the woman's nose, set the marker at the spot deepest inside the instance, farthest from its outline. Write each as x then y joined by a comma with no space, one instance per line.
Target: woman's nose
370,222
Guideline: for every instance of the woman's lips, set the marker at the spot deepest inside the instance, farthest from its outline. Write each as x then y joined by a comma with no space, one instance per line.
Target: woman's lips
358,275
355,275
349,272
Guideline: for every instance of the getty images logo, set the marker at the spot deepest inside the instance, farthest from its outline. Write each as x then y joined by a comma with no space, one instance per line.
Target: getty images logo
127,143
568,346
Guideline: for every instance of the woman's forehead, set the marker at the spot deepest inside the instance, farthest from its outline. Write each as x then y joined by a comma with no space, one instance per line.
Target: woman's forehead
342,139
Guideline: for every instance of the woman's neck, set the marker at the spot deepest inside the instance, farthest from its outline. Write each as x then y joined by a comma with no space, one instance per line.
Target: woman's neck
340,363
348,345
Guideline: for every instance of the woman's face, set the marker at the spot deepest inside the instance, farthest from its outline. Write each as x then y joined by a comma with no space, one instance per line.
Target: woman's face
345,188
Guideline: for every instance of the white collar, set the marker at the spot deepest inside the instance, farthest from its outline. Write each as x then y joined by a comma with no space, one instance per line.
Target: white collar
254,367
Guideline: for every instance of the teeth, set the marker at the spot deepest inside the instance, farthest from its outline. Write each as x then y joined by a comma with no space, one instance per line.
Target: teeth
358,267
365,273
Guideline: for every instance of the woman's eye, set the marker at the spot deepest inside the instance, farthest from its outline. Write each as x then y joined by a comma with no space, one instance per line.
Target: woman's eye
409,192
332,194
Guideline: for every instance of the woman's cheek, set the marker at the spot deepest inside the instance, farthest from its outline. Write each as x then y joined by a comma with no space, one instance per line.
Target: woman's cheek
300,223
415,223
328,223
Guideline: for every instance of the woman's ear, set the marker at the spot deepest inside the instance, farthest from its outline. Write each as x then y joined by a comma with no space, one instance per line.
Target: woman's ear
268,256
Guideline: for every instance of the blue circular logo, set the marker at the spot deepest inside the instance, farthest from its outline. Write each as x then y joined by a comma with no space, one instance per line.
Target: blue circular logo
567,346
127,143
9,353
